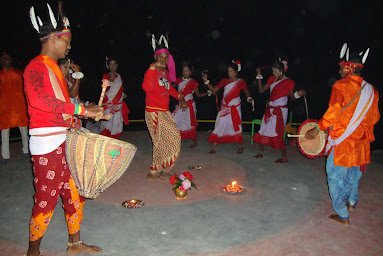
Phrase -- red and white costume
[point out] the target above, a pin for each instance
(228, 125)
(275, 117)
(186, 119)
(114, 104)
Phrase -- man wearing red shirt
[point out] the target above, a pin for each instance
(162, 128)
(51, 113)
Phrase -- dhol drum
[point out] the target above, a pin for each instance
(311, 148)
(96, 161)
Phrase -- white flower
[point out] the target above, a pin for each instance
(182, 177)
(186, 184)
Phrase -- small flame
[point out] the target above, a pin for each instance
(233, 183)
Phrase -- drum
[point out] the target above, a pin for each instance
(96, 161)
(312, 148)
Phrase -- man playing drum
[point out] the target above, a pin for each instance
(351, 116)
(51, 112)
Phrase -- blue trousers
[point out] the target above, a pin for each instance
(343, 183)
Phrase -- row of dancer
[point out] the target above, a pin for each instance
(166, 129)
(228, 128)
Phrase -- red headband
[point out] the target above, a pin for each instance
(350, 64)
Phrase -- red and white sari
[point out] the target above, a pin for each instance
(228, 125)
(114, 104)
(275, 118)
(186, 119)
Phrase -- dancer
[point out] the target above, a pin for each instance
(228, 125)
(114, 102)
(350, 118)
(162, 128)
(13, 109)
(186, 117)
(50, 112)
(275, 118)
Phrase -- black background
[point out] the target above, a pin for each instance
(309, 33)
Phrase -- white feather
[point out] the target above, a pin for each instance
(365, 55)
(52, 16)
(33, 19)
(361, 53)
(343, 51)
(40, 22)
(106, 62)
(153, 42)
(347, 53)
(162, 37)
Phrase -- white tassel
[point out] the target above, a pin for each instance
(33, 19)
(343, 51)
(365, 55)
(52, 16)
(40, 22)
(348, 54)
(153, 42)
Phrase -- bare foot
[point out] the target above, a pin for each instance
(195, 144)
(281, 161)
(165, 175)
(33, 254)
(212, 151)
(240, 149)
(259, 155)
(83, 248)
(337, 218)
(152, 176)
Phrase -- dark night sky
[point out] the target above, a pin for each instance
(309, 33)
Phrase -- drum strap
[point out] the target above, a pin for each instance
(354, 98)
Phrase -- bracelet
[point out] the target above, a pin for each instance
(77, 109)
(69, 244)
(207, 82)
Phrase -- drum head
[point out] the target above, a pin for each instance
(315, 147)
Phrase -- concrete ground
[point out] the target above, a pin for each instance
(282, 212)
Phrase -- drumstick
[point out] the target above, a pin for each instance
(295, 135)
(105, 84)
(307, 109)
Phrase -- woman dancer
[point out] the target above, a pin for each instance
(228, 125)
(275, 117)
(114, 102)
(185, 117)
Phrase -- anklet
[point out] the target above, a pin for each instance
(69, 244)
